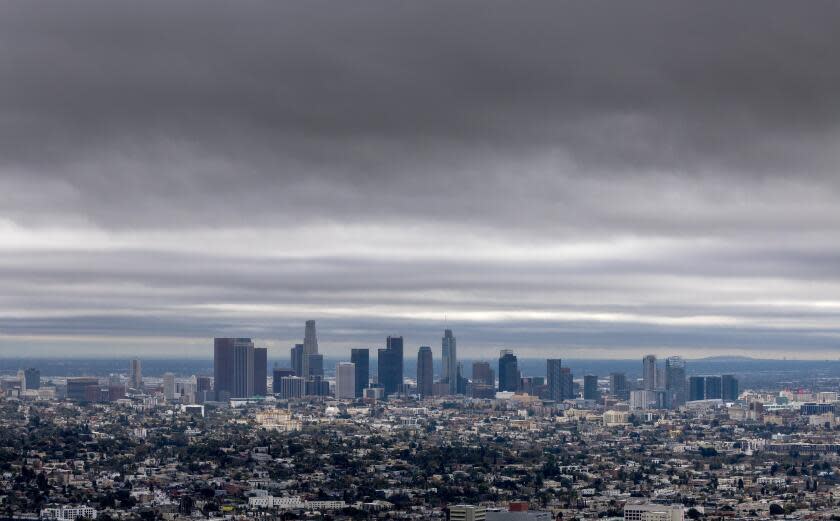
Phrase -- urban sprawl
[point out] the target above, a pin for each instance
(299, 443)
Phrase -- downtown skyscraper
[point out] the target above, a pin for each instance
(233, 367)
(135, 377)
(361, 358)
(425, 371)
(675, 382)
(729, 388)
(260, 371)
(508, 371)
(450, 360)
(390, 365)
(554, 379)
(649, 372)
(310, 347)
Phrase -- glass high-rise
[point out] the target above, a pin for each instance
(260, 371)
(590, 387)
(729, 388)
(32, 378)
(649, 372)
(713, 388)
(361, 359)
(508, 371)
(425, 371)
(310, 347)
(696, 388)
(618, 386)
(135, 377)
(554, 379)
(390, 365)
(450, 360)
(675, 381)
(233, 367)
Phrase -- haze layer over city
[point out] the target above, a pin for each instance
(466, 261)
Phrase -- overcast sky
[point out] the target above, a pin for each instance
(575, 179)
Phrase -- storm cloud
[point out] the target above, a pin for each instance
(576, 178)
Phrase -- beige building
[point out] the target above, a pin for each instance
(467, 513)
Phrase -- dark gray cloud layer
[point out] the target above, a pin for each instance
(635, 163)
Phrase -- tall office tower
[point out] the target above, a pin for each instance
(508, 371)
(361, 357)
(618, 385)
(713, 388)
(310, 346)
(444, 367)
(297, 360)
(729, 388)
(169, 386)
(345, 380)
(315, 365)
(261, 371)
(590, 387)
(567, 383)
(425, 371)
(675, 381)
(660, 378)
(462, 382)
(277, 375)
(135, 377)
(696, 388)
(649, 372)
(32, 377)
(483, 374)
(450, 360)
(553, 372)
(233, 368)
(390, 365)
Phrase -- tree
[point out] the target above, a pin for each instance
(776, 510)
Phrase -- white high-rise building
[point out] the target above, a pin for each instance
(169, 386)
(345, 380)
(450, 360)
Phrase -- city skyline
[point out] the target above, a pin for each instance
(555, 260)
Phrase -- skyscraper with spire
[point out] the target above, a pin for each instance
(450, 360)
(310, 347)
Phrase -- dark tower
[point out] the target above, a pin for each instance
(390, 365)
(425, 371)
(260, 371)
(554, 377)
(233, 367)
(361, 357)
(508, 371)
